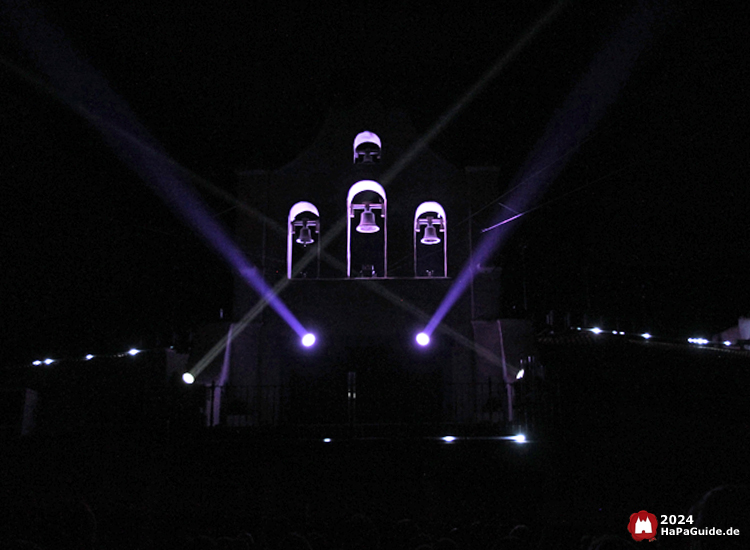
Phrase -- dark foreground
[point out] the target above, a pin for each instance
(162, 490)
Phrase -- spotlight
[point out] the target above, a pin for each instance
(423, 338)
(327, 440)
(646, 335)
(89, 357)
(308, 339)
(188, 378)
(727, 343)
(134, 352)
(49, 361)
(448, 439)
(520, 374)
(37, 363)
(305, 237)
(520, 438)
(596, 330)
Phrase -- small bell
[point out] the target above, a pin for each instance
(430, 235)
(305, 237)
(367, 222)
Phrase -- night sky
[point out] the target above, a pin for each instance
(645, 223)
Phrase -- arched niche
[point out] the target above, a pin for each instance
(369, 199)
(303, 223)
(430, 232)
(367, 148)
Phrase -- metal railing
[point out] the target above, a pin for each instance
(484, 403)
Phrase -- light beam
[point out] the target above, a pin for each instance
(582, 109)
(82, 89)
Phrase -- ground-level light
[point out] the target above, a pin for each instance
(308, 339)
(423, 339)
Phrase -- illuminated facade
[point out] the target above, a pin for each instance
(359, 247)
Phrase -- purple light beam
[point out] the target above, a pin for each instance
(80, 87)
(582, 109)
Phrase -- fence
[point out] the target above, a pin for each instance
(344, 403)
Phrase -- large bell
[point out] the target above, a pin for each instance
(367, 222)
(430, 235)
(305, 237)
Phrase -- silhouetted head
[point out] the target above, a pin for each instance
(721, 508)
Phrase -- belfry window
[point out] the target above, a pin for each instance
(303, 239)
(367, 148)
(367, 245)
(430, 240)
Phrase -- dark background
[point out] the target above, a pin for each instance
(649, 231)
